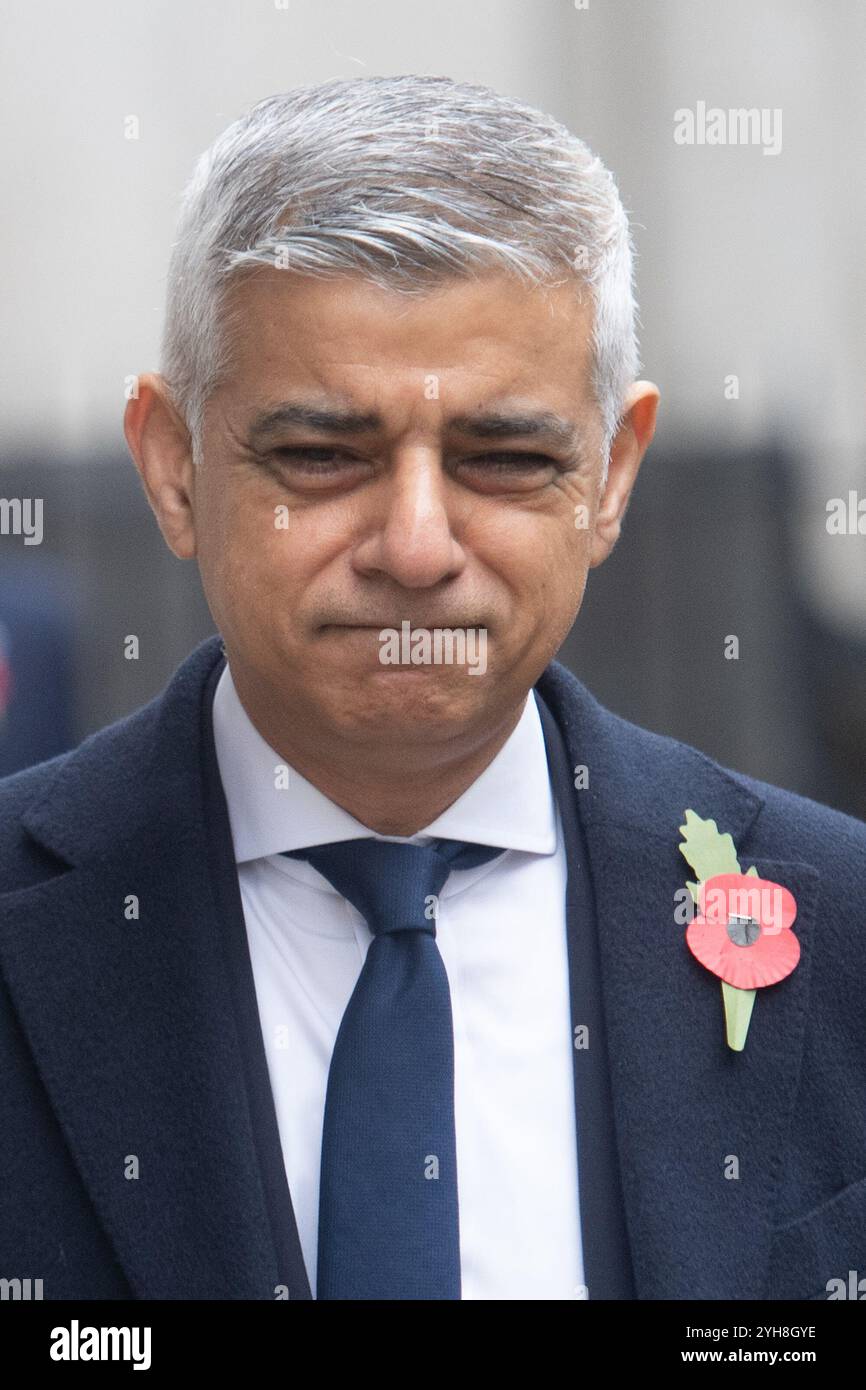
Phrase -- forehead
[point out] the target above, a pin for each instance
(491, 334)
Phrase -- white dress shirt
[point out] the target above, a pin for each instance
(500, 928)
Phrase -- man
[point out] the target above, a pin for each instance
(352, 966)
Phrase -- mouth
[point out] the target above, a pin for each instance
(396, 627)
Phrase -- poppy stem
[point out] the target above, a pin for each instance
(738, 1014)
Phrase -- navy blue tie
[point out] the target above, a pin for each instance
(388, 1215)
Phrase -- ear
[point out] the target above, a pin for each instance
(627, 449)
(161, 448)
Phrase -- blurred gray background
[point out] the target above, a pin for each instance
(749, 265)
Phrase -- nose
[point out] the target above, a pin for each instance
(412, 542)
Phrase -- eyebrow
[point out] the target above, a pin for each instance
(488, 424)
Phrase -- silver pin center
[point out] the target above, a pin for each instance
(743, 931)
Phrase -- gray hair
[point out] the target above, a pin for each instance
(406, 181)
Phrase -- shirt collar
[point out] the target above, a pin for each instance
(510, 804)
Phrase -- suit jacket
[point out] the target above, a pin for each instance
(139, 1150)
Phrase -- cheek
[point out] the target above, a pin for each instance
(241, 547)
(570, 546)
(277, 559)
(542, 556)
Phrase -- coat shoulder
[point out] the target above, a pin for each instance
(103, 787)
(112, 756)
(646, 776)
(791, 826)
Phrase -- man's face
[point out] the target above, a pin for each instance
(408, 499)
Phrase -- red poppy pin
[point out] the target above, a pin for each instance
(742, 930)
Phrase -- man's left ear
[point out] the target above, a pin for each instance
(627, 449)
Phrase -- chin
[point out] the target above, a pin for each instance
(409, 704)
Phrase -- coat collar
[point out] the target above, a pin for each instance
(128, 1018)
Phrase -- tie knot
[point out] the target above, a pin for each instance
(393, 886)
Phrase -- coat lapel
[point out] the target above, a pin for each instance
(131, 1020)
(700, 1130)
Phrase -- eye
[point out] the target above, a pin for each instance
(315, 460)
(506, 470)
(507, 461)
